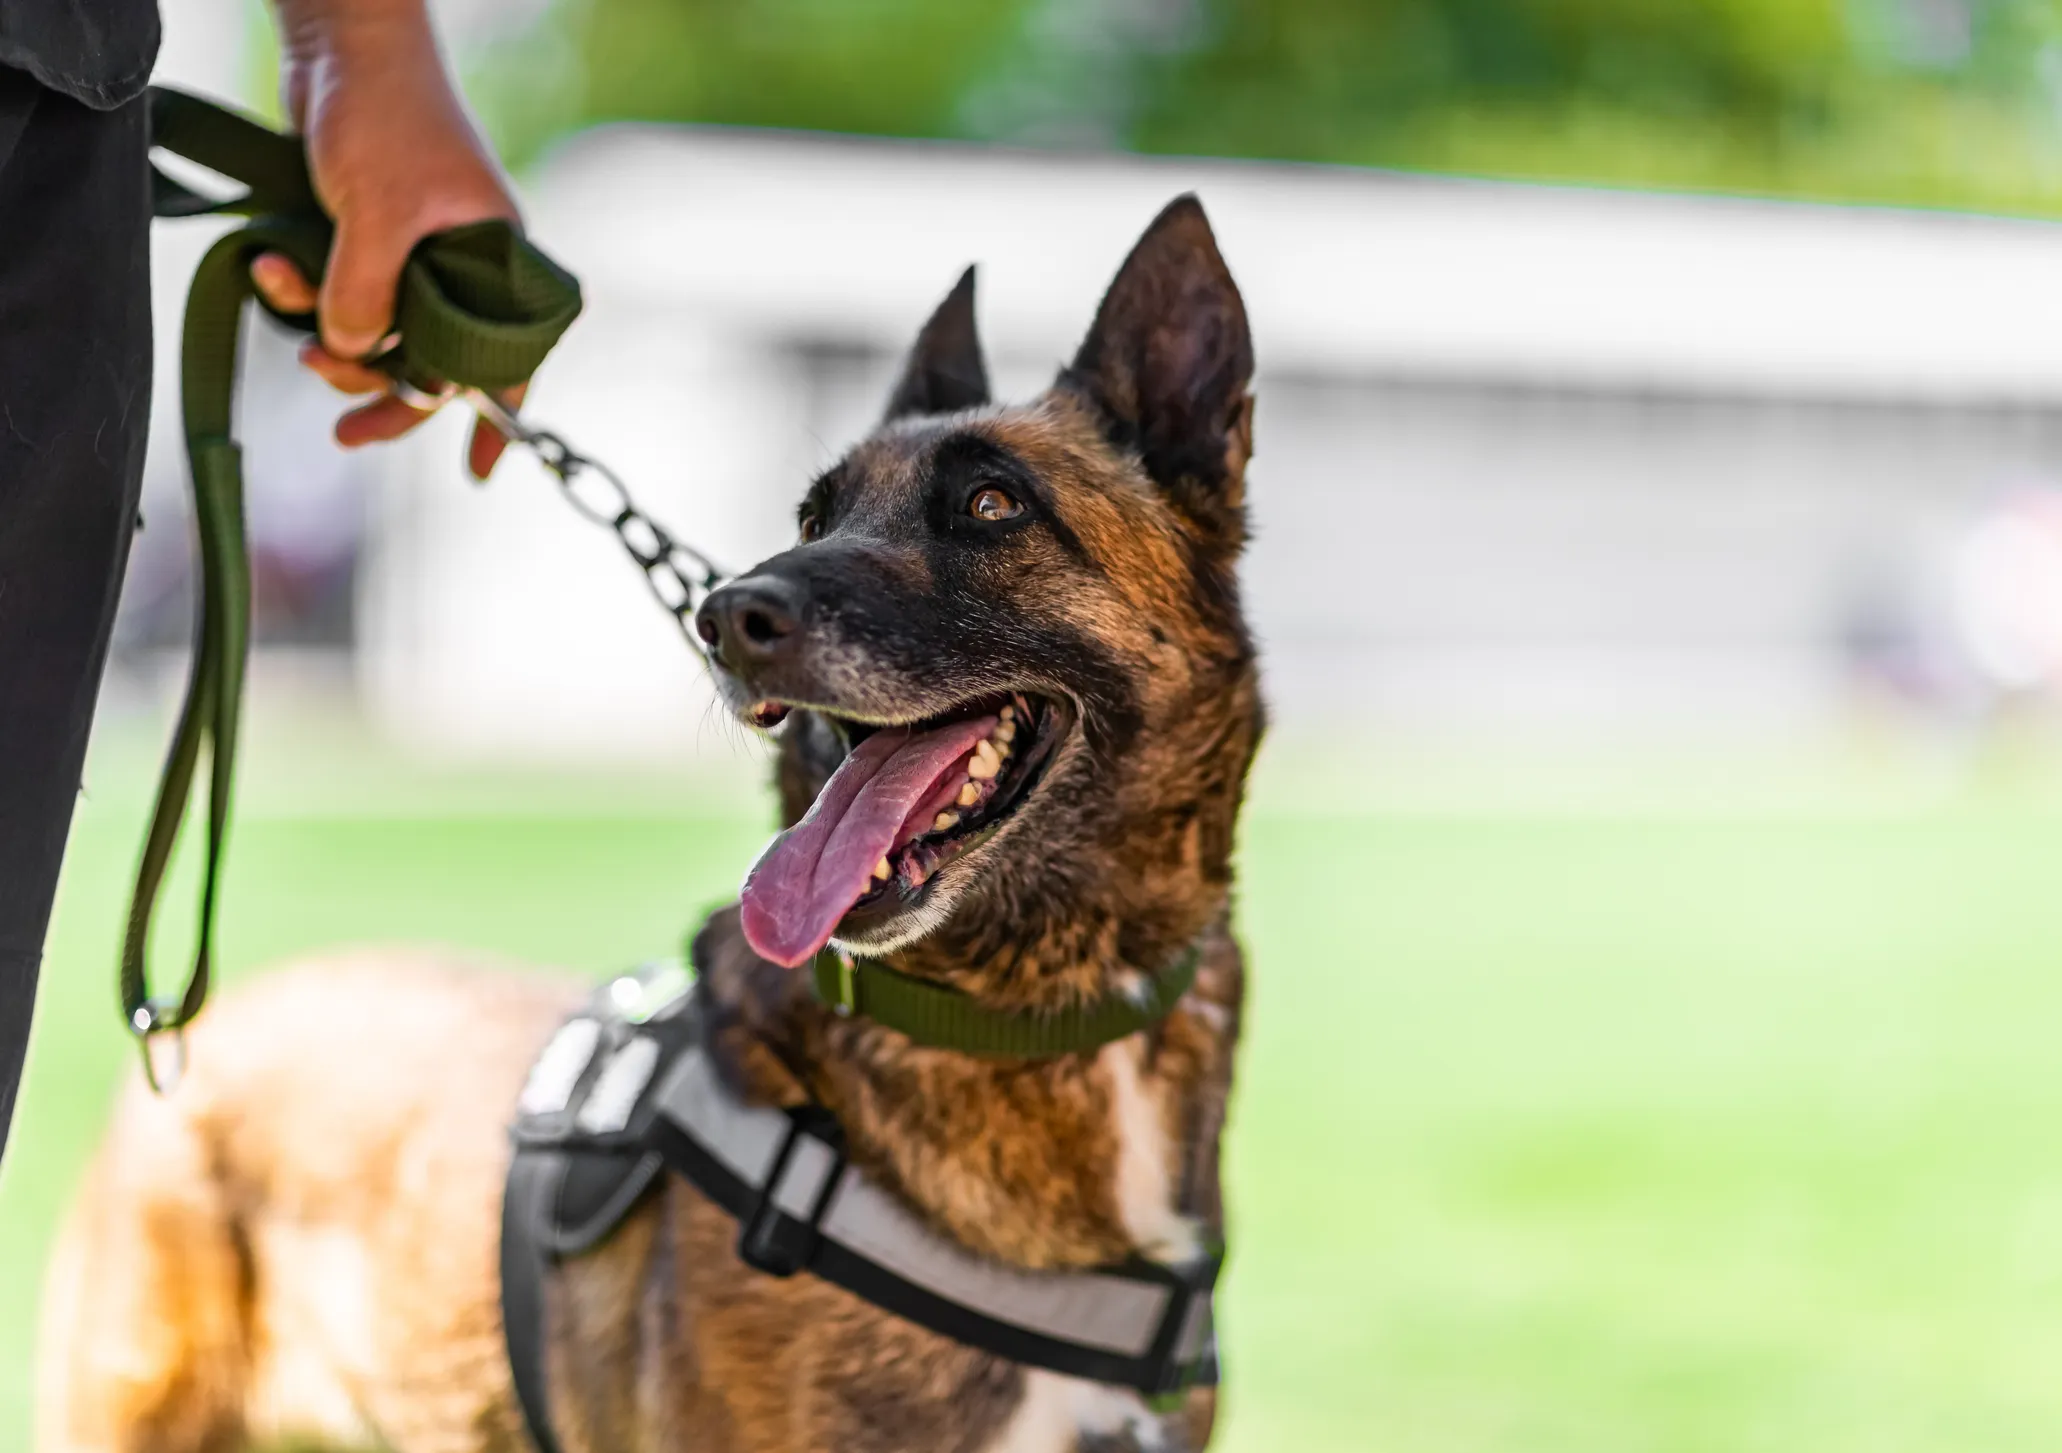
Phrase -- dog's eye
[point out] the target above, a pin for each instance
(992, 504)
(812, 526)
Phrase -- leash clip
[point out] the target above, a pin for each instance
(154, 1021)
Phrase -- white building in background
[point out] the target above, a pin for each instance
(1528, 459)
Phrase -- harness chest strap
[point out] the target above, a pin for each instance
(800, 1205)
(649, 1100)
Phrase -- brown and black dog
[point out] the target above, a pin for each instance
(299, 1247)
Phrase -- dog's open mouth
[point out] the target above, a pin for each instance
(905, 801)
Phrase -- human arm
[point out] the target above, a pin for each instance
(394, 158)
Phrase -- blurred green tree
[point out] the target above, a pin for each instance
(1939, 102)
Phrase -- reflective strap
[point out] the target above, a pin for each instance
(1113, 1314)
(744, 1137)
(612, 1098)
(555, 1075)
(1104, 1312)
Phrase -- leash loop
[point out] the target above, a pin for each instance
(154, 1023)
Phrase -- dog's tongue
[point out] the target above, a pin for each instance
(811, 874)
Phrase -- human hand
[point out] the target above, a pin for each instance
(394, 158)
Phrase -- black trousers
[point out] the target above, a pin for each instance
(74, 412)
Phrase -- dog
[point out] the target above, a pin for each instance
(298, 1248)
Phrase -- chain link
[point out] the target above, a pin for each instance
(679, 576)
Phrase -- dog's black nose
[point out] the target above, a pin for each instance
(751, 622)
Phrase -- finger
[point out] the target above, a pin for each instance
(342, 374)
(281, 284)
(485, 449)
(357, 305)
(488, 442)
(377, 422)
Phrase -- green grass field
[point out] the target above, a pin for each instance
(1711, 1128)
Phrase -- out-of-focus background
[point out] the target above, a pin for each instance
(1651, 878)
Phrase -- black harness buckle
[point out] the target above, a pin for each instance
(777, 1235)
(1190, 1286)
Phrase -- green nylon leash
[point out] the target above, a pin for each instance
(941, 1017)
(477, 307)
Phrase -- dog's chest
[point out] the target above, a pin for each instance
(1144, 1174)
(1061, 1414)
(1064, 1414)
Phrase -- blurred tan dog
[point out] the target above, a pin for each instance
(299, 1248)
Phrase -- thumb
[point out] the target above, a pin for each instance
(357, 304)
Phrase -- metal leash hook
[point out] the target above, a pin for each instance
(152, 1024)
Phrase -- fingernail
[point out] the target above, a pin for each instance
(349, 341)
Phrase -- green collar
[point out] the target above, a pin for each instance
(944, 1018)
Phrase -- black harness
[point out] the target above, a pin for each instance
(627, 1091)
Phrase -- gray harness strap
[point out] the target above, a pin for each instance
(615, 1101)
(1123, 1312)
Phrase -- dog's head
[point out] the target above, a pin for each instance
(1018, 691)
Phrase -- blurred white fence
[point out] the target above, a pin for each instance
(1529, 458)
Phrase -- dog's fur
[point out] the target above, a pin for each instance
(299, 1247)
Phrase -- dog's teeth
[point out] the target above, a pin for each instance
(1009, 714)
(1007, 732)
(883, 870)
(984, 764)
(945, 822)
(969, 794)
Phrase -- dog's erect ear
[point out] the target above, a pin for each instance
(1167, 362)
(944, 373)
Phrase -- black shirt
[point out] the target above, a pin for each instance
(98, 52)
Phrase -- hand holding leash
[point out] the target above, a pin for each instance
(397, 407)
(393, 158)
